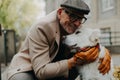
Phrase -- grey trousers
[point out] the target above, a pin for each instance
(24, 76)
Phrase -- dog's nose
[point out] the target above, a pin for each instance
(64, 37)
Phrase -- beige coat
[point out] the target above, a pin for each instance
(39, 49)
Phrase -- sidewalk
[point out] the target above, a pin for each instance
(3, 71)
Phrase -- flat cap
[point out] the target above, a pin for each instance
(78, 6)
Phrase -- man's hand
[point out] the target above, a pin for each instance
(104, 67)
(87, 56)
(82, 58)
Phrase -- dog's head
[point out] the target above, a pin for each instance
(83, 37)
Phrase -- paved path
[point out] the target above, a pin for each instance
(3, 70)
(116, 59)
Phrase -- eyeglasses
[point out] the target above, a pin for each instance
(74, 17)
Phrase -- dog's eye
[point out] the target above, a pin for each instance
(77, 32)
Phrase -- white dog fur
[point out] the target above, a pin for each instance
(84, 37)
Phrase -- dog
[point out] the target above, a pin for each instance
(87, 37)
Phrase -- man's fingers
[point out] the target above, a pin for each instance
(80, 55)
(106, 59)
(105, 63)
(94, 55)
(107, 54)
(88, 56)
(80, 61)
(105, 69)
(90, 51)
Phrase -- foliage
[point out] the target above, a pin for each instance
(117, 72)
(19, 14)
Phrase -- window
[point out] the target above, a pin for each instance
(107, 5)
(105, 36)
(107, 8)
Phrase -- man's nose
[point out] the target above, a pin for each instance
(77, 23)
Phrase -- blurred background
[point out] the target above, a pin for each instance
(17, 16)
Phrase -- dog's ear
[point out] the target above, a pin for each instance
(97, 32)
(95, 36)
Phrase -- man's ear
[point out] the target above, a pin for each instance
(59, 11)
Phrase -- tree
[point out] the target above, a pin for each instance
(19, 14)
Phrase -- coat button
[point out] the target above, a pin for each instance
(18, 69)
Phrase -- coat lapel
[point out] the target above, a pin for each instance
(57, 34)
(56, 30)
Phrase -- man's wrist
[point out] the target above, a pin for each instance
(71, 62)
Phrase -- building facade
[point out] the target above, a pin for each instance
(104, 14)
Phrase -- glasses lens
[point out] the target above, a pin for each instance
(83, 20)
(74, 17)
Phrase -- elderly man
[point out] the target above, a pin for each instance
(41, 56)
